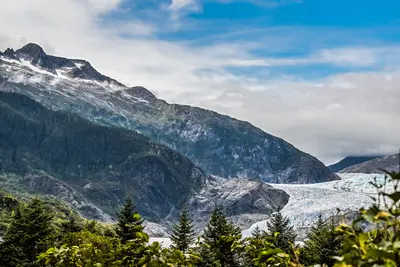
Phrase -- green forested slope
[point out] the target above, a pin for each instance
(102, 164)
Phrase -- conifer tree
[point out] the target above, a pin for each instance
(183, 233)
(322, 244)
(257, 233)
(70, 226)
(129, 221)
(280, 232)
(219, 236)
(30, 233)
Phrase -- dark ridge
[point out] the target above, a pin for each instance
(32, 50)
(10, 53)
(350, 161)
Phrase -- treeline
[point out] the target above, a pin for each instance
(35, 238)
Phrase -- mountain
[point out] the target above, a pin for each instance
(245, 202)
(93, 168)
(350, 161)
(101, 163)
(220, 145)
(387, 163)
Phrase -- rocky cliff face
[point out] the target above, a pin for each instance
(220, 145)
(101, 164)
(244, 202)
(93, 167)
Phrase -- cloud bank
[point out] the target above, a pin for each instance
(328, 100)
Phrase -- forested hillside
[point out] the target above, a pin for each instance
(101, 164)
(35, 236)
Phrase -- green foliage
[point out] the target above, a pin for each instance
(71, 225)
(183, 234)
(29, 241)
(82, 249)
(129, 221)
(380, 246)
(322, 244)
(280, 232)
(30, 232)
(218, 238)
(260, 250)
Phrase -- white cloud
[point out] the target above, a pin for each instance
(183, 4)
(329, 118)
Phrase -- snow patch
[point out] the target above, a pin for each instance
(79, 65)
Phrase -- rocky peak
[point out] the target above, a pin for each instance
(74, 68)
(32, 50)
(10, 53)
(141, 92)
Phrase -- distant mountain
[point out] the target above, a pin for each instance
(387, 163)
(93, 168)
(220, 145)
(350, 161)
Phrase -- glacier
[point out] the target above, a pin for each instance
(308, 201)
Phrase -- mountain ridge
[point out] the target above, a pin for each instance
(350, 161)
(377, 165)
(93, 168)
(220, 145)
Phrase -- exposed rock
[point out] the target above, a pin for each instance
(244, 202)
(41, 182)
(155, 230)
(72, 153)
(218, 144)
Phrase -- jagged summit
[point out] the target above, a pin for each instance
(220, 145)
(33, 50)
(10, 53)
(35, 55)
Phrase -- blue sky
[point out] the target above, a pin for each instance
(291, 29)
(322, 74)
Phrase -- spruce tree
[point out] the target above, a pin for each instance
(280, 232)
(183, 233)
(30, 233)
(219, 236)
(257, 233)
(129, 221)
(322, 244)
(70, 226)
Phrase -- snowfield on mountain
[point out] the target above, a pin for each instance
(220, 145)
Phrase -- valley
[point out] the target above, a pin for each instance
(73, 136)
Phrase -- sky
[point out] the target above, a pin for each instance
(323, 75)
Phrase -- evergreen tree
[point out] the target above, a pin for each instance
(322, 244)
(257, 233)
(129, 221)
(70, 226)
(183, 233)
(218, 236)
(280, 232)
(30, 233)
